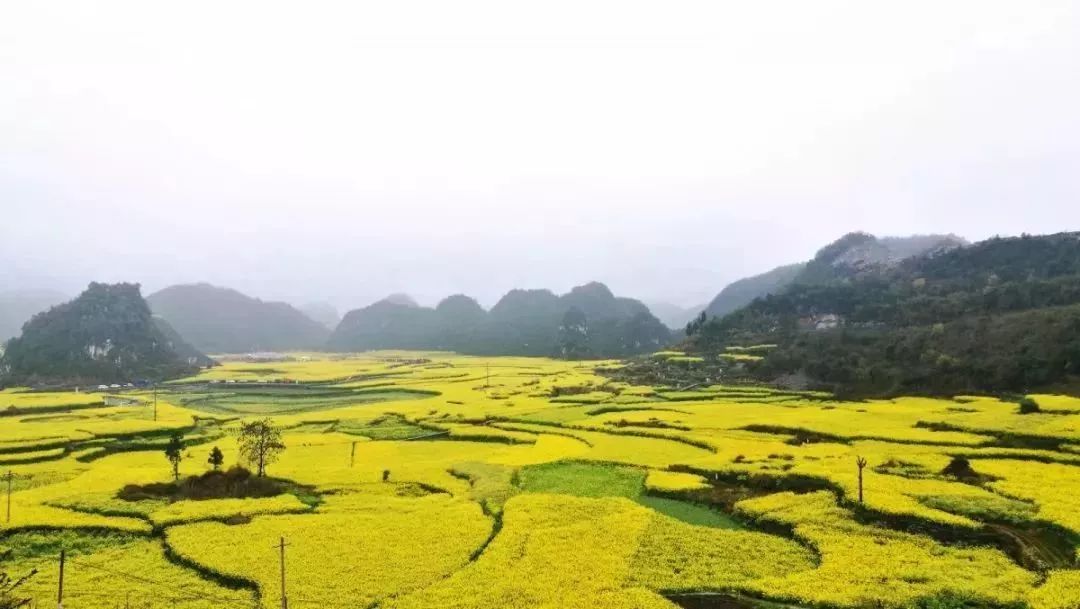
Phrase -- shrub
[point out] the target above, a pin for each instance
(1029, 406)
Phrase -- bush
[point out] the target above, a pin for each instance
(960, 467)
(235, 482)
(1029, 406)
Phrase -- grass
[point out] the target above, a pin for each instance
(604, 480)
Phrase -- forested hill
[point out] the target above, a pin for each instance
(589, 321)
(1001, 315)
(221, 320)
(106, 335)
(852, 254)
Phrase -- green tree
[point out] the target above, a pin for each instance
(260, 444)
(9, 594)
(174, 452)
(696, 324)
(216, 458)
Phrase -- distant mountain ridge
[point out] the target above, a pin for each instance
(851, 254)
(18, 306)
(674, 316)
(522, 322)
(222, 320)
(1001, 315)
(106, 335)
(322, 312)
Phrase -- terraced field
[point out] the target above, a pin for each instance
(434, 480)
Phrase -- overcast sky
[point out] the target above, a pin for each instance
(342, 151)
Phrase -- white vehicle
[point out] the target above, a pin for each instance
(114, 386)
(102, 386)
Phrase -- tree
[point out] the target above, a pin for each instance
(260, 444)
(174, 452)
(216, 458)
(697, 323)
(9, 597)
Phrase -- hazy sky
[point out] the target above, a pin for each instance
(342, 151)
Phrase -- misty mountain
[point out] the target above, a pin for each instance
(742, 292)
(322, 312)
(106, 335)
(851, 254)
(222, 320)
(18, 306)
(522, 322)
(674, 316)
(1001, 315)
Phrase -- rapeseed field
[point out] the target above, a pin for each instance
(428, 479)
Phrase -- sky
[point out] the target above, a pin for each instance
(342, 151)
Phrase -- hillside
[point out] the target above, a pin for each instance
(851, 254)
(1002, 315)
(107, 334)
(221, 320)
(18, 306)
(589, 321)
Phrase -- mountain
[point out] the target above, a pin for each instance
(106, 335)
(387, 324)
(322, 312)
(522, 322)
(1001, 315)
(674, 316)
(742, 292)
(17, 307)
(851, 254)
(221, 320)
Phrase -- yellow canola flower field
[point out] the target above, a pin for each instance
(360, 549)
(575, 552)
(406, 483)
(859, 563)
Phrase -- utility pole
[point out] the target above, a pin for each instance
(284, 599)
(352, 455)
(9, 476)
(861, 463)
(487, 379)
(155, 402)
(60, 590)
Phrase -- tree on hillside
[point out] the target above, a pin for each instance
(174, 453)
(216, 458)
(696, 324)
(9, 595)
(260, 444)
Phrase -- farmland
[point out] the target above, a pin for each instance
(420, 480)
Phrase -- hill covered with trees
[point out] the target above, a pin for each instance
(106, 335)
(849, 255)
(222, 320)
(588, 321)
(1001, 315)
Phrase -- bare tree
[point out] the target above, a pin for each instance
(260, 444)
